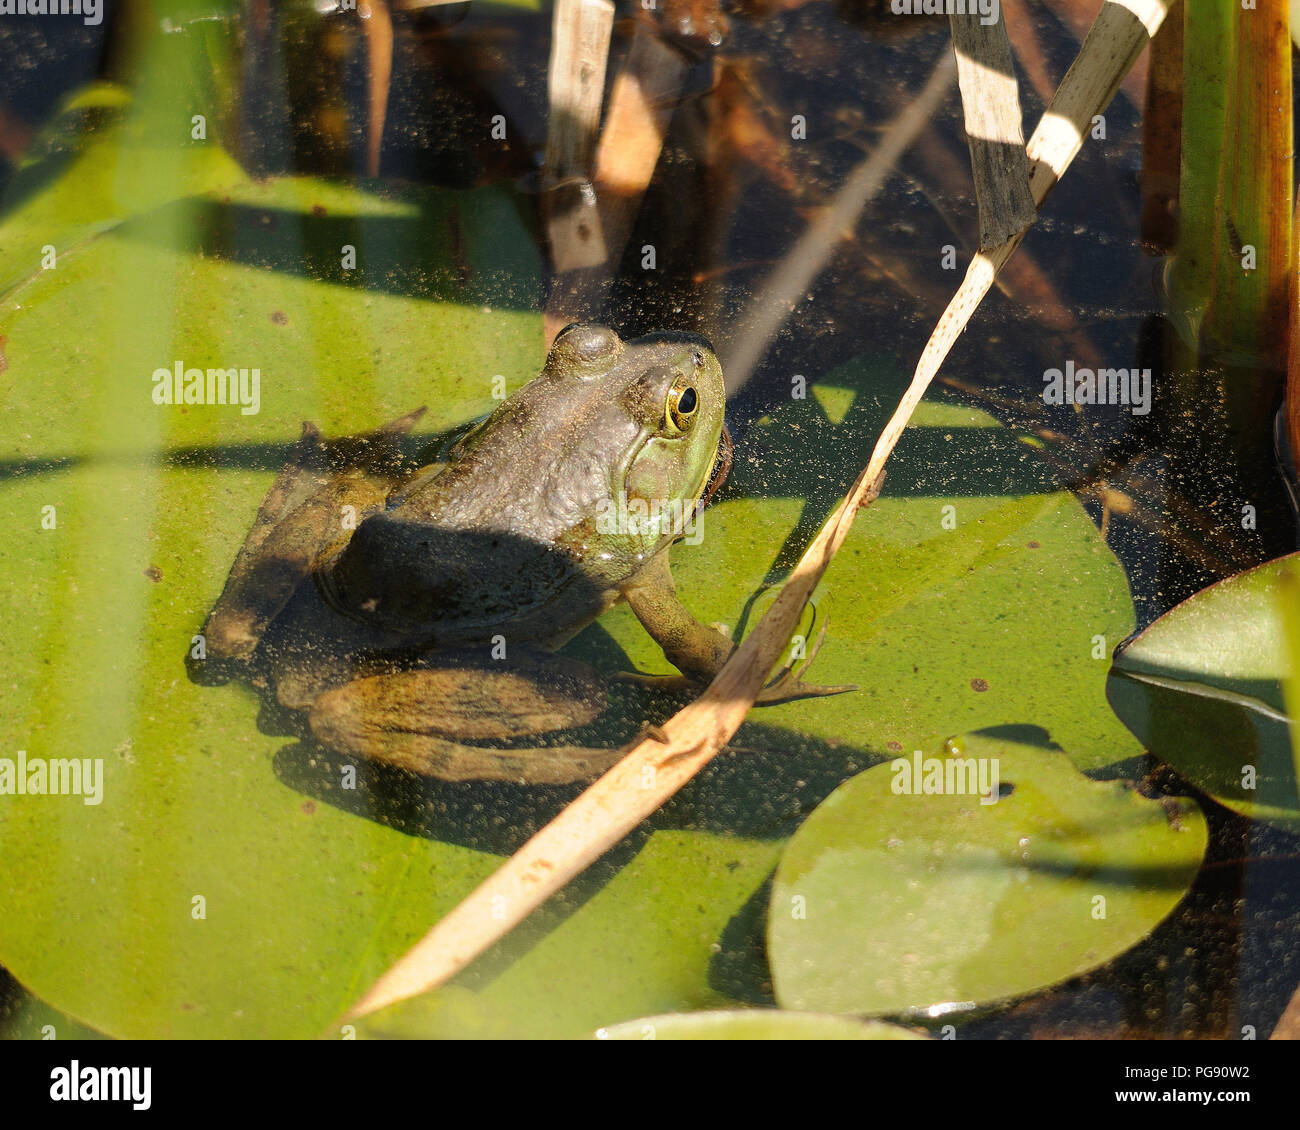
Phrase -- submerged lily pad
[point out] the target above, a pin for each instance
(23, 1017)
(755, 1024)
(893, 897)
(1203, 689)
(111, 153)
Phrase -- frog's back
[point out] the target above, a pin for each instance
(502, 538)
(444, 585)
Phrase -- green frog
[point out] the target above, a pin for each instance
(412, 610)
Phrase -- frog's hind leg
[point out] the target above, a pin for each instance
(432, 756)
(320, 495)
(421, 719)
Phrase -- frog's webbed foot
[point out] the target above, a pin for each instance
(788, 685)
(666, 684)
(698, 651)
(423, 718)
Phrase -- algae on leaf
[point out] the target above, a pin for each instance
(210, 897)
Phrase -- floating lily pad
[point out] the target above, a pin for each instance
(189, 887)
(647, 937)
(889, 900)
(1203, 689)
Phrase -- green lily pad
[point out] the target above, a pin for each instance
(888, 900)
(306, 902)
(755, 1024)
(646, 939)
(1202, 688)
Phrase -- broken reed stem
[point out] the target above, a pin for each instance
(657, 766)
(642, 98)
(580, 33)
(991, 105)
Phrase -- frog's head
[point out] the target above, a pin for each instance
(658, 400)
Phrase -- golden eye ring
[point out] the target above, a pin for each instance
(682, 407)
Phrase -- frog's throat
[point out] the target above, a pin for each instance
(722, 459)
(722, 453)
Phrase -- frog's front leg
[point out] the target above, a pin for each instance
(298, 524)
(421, 718)
(697, 651)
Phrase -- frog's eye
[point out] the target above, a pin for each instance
(683, 403)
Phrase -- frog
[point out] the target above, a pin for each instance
(412, 608)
